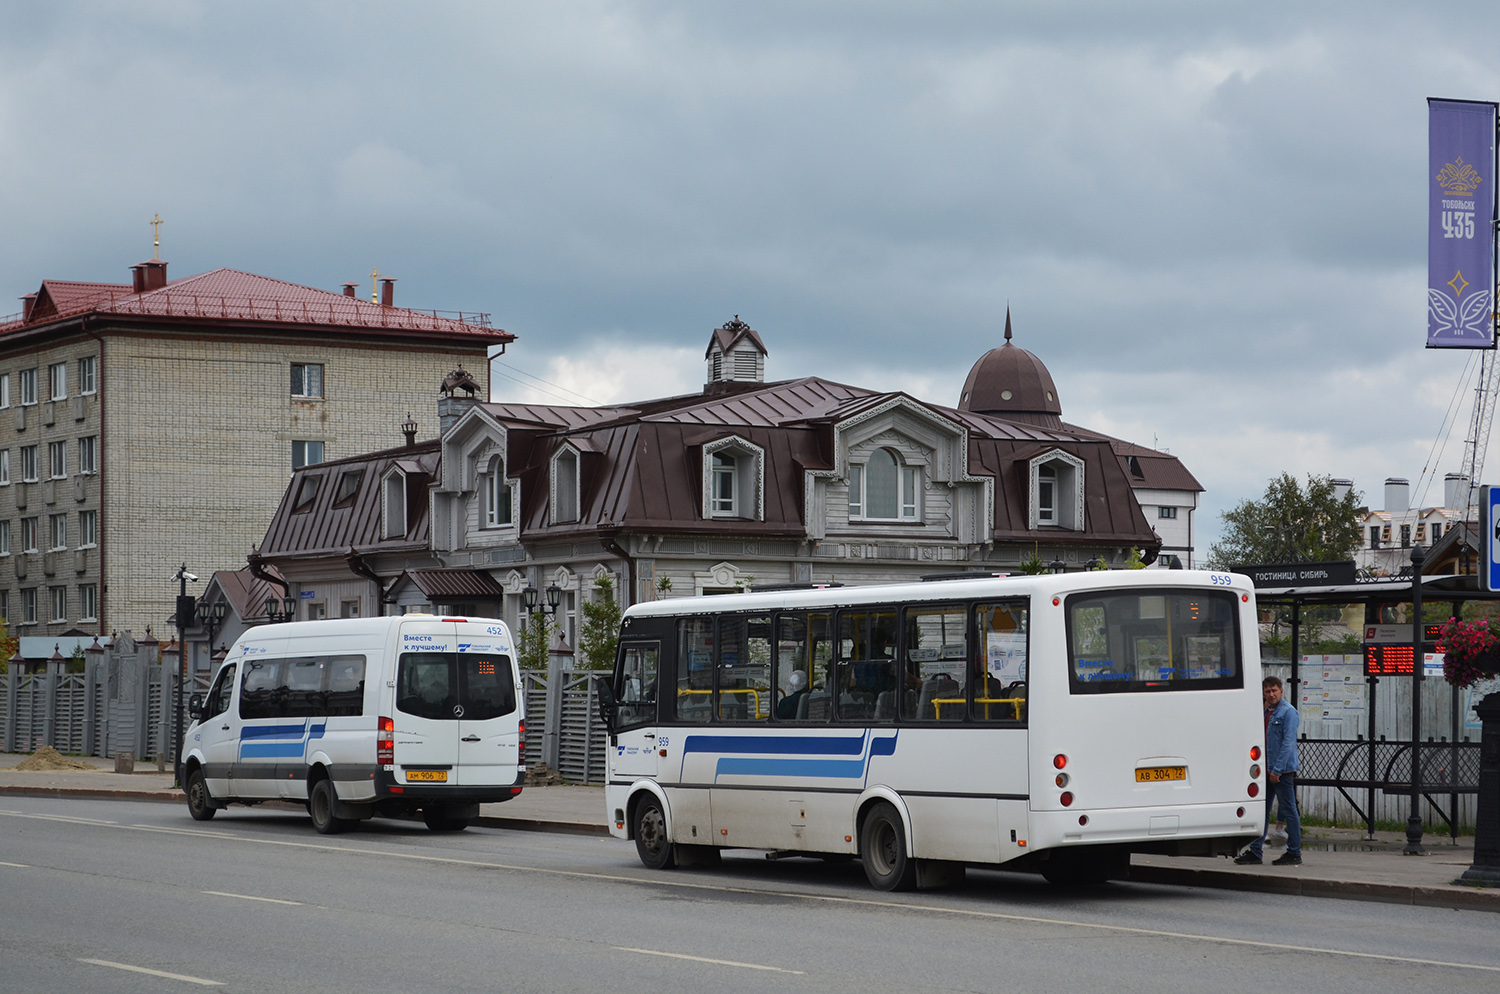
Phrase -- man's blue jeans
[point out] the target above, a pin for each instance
(1284, 793)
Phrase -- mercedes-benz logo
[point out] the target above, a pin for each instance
(458, 710)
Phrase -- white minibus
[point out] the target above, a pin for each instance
(362, 717)
(1055, 723)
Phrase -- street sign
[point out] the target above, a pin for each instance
(1489, 499)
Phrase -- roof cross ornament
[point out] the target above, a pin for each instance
(155, 237)
(375, 285)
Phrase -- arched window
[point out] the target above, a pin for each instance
(497, 495)
(883, 488)
(565, 486)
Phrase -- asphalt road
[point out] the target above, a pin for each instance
(122, 896)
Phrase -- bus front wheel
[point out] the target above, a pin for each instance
(882, 849)
(651, 842)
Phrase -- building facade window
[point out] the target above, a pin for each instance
(1437, 532)
(5, 606)
(723, 489)
(4, 390)
(4, 467)
(733, 479)
(57, 460)
(88, 602)
(306, 453)
(4, 538)
(28, 606)
(1406, 536)
(88, 454)
(28, 463)
(497, 496)
(393, 506)
(307, 380)
(88, 375)
(1166, 512)
(58, 526)
(884, 489)
(28, 387)
(1374, 536)
(29, 535)
(57, 380)
(88, 529)
(57, 598)
(349, 608)
(316, 610)
(348, 487)
(1057, 493)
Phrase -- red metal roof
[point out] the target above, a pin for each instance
(233, 295)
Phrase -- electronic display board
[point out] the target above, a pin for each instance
(1391, 659)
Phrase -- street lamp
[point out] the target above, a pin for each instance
(1058, 566)
(211, 618)
(183, 618)
(279, 610)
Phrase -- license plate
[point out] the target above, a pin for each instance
(1151, 774)
(426, 776)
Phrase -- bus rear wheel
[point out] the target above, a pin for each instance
(320, 806)
(882, 849)
(651, 842)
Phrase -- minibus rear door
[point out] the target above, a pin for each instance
(428, 706)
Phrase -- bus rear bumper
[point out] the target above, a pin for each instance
(1175, 830)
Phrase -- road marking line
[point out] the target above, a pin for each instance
(62, 818)
(252, 897)
(705, 959)
(155, 973)
(825, 898)
(23, 866)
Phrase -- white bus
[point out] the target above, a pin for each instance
(1055, 723)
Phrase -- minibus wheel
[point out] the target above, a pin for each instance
(882, 849)
(320, 806)
(651, 842)
(199, 801)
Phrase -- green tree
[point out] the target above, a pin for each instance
(8, 646)
(534, 639)
(601, 627)
(1290, 525)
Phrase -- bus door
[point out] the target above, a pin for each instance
(635, 750)
(427, 703)
(489, 730)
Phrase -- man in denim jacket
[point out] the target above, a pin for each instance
(1281, 775)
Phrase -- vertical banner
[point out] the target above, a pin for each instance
(1460, 224)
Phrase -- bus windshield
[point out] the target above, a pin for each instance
(1152, 640)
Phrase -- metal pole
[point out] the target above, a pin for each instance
(1414, 817)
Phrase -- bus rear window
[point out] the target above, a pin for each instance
(1142, 641)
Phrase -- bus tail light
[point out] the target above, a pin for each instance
(385, 742)
(1083, 819)
(1062, 780)
(1255, 770)
(1255, 752)
(521, 745)
(1066, 798)
(1239, 812)
(1253, 790)
(1060, 761)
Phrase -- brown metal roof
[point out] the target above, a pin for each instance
(446, 584)
(246, 592)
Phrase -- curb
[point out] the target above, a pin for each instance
(1457, 898)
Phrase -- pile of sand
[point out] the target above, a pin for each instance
(48, 758)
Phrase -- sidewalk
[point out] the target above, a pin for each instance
(1336, 862)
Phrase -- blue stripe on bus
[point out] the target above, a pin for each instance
(273, 750)
(294, 740)
(272, 731)
(800, 745)
(845, 769)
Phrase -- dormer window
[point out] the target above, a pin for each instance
(565, 499)
(884, 489)
(733, 479)
(393, 506)
(497, 496)
(307, 493)
(1057, 491)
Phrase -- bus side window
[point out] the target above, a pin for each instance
(1000, 669)
(935, 652)
(695, 669)
(867, 661)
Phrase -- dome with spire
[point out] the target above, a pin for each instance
(1013, 384)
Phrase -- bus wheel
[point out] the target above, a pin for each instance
(320, 806)
(651, 842)
(882, 848)
(200, 803)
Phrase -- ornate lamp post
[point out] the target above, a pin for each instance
(280, 609)
(211, 619)
(184, 617)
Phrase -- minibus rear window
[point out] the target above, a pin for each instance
(447, 686)
(1141, 641)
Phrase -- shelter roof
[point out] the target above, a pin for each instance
(451, 583)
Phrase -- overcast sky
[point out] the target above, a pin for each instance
(1208, 220)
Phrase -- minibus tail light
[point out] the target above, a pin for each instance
(385, 742)
(521, 745)
(1066, 798)
(1255, 752)
(1060, 761)
(1253, 790)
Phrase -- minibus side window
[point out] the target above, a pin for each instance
(261, 689)
(218, 698)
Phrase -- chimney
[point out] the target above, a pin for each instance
(1456, 491)
(1396, 494)
(409, 429)
(1341, 488)
(148, 276)
(27, 303)
(387, 291)
(349, 289)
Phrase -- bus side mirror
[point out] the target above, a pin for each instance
(609, 706)
(195, 707)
